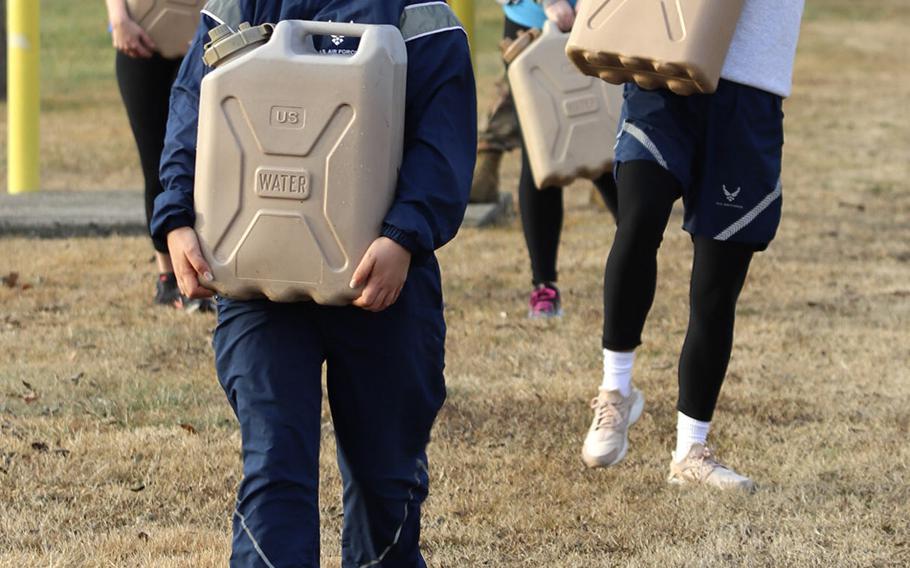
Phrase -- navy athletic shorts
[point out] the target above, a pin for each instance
(724, 148)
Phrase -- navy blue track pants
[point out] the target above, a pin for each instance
(385, 387)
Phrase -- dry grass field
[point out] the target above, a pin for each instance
(117, 447)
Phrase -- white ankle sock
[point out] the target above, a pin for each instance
(618, 371)
(689, 432)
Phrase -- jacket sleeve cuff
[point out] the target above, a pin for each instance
(403, 238)
(170, 223)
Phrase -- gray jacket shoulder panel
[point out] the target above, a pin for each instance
(224, 12)
(426, 18)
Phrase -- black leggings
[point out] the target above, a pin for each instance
(541, 218)
(145, 86)
(646, 194)
(542, 209)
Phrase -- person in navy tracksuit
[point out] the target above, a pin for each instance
(384, 354)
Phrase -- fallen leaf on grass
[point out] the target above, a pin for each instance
(11, 279)
(189, 428)
(137, 488)
(31, 396)
(40, 446)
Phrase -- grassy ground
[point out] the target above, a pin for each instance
(117, 448)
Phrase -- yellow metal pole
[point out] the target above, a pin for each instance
(23, 100)
(464, 9)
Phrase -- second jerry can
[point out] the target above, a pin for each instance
(568, 119)
(298, 157)
(677, 44)
(170, 23)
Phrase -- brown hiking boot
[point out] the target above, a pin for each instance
(485, 187)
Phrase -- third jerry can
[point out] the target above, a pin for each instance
(677, 44)
(297, 157)
(568, 120)
(170, 23)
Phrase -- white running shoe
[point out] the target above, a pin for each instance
(700, 467)
(608, 438)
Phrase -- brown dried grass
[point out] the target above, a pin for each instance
(98, 471)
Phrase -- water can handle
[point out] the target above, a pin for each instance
(311, 28)
(297, 35)
(304, 29)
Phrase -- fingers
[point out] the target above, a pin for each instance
(381, 274)
(363, 271)
(140, 49)
(381, 301)
(198, 272)
(188, 282)
(368, 297)
(373, 297)
(199, 264)
(186, 275)
(377, 298)
(561, 14)
(147, 40)
(189, 264)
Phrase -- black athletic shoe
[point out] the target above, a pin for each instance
(201, 305)
(166, 291)
(168, 294)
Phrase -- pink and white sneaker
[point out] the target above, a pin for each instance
(545, 302)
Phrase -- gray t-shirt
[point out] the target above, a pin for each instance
(764, 45)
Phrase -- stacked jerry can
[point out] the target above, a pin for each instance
(568, 120)
(298, 157)
(676, 44)
(170, 23)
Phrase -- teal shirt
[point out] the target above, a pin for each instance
(527, 13)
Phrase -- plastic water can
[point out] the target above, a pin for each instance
(568, 119)
(677, 44)
(170, 23)
(298, 156)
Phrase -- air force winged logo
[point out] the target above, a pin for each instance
(731, 196)
(338, 39)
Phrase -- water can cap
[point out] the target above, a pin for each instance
(225, 42)
(519, 44)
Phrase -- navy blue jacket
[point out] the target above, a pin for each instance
(440, 134)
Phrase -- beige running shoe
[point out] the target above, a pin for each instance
(700, 467)
(608, 438)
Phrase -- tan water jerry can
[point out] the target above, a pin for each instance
(677, 44)
(170, 23)
(568, 120)
(297, 157)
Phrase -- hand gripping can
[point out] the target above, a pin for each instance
(568, 120)
(680, 45)
(170, 23)
(297, 157)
